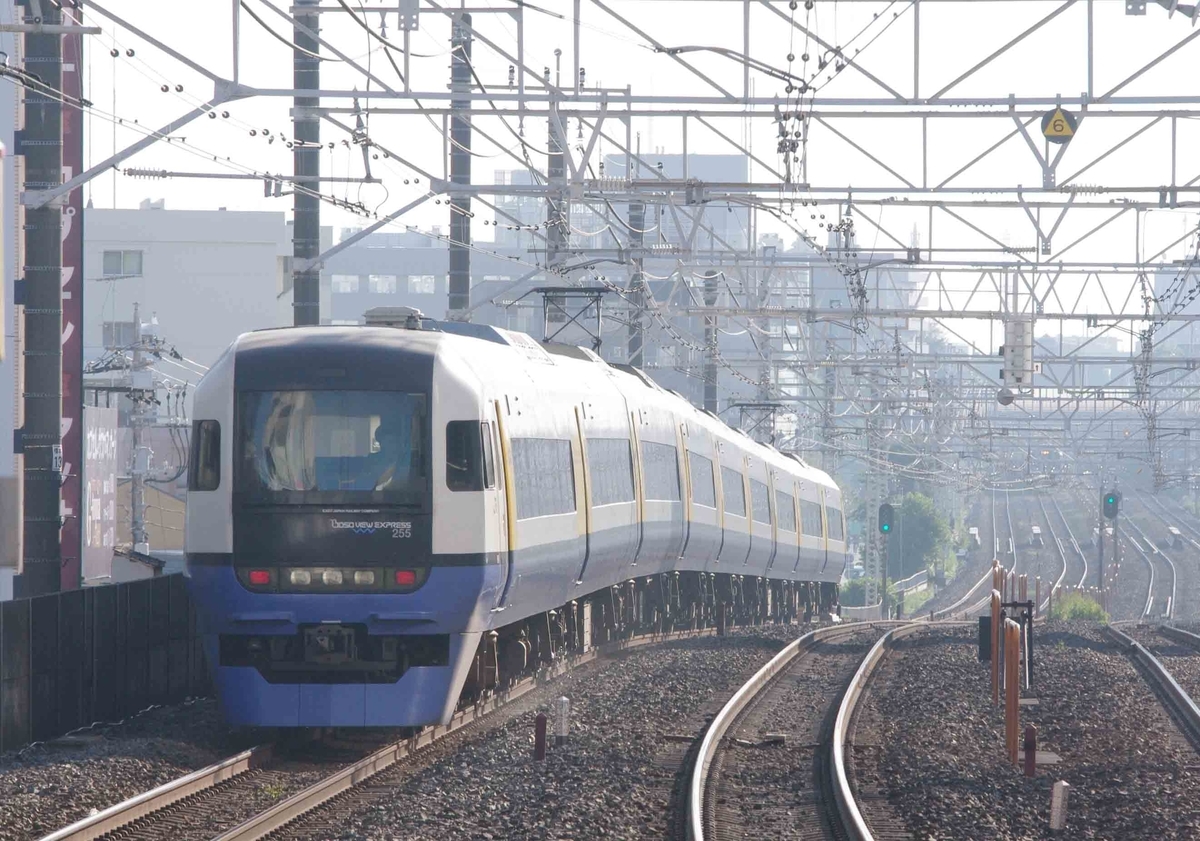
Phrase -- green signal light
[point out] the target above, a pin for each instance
(1111, 500)
(885, 527)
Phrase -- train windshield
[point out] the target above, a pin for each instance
(333, 446)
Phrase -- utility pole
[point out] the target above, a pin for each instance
(557, 211)
(460, 167)
(306, 163)
(1100, 542)
(40, 290)
(637, 288)
(141, 394)
(710, 342)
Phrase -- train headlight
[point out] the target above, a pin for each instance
(364, 577)
(331, 577)
(300, 576)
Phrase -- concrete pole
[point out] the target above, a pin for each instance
(41, 435)
(141, 390)
(306, 163)
(460, 168)
(637, 291)
(557, 210)
(710, 343)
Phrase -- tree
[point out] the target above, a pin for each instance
(923, 536)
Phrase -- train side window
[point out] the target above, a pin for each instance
(735, 491)
(489, 462)
(543, 476)
(660, 463)
(204, 470)
(834, 518)
(787, 514)
(464, 456)
(810, 519)
(611, 467)
(703, 488)
(760, 502)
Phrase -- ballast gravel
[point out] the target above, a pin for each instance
(51, 785)
(633, 719)
(936, 744)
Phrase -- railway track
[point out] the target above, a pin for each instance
(1009, 544)
(1161, 590)
(970, 601)
(241, 782)
(811, 688)
(1062, 556)
(1076, 550)
(1184, 519)
(1162, 683)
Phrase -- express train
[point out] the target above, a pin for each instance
(383, 518)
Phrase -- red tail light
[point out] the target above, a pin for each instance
(260, 577)
(406, 577)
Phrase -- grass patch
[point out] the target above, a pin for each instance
(1077, 607)
(913, 602)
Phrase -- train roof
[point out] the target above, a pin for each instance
(397, 330)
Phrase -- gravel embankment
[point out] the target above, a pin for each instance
(935, 744)
(49, 786)
(633, 719)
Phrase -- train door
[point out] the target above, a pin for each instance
(824, 528)
(506, 502)
(583, 489)
(685, 485)
(496, 511)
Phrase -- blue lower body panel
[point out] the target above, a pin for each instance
(453, 604)
(423, 695)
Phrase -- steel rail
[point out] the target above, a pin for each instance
(738, 702)
(1012, 544)
(847, 806)
(1170, 611)
(1161, 681)
(751, 689)
(1062, 556)
(283, 813)
(1181, 517)
(1074, 543)
(950, 610)
(122, 814)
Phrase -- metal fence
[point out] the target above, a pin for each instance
(97, 654)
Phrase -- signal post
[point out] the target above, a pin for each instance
(887, 516)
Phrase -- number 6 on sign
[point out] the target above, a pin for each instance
(1058, 126)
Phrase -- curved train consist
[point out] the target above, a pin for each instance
(381, 519)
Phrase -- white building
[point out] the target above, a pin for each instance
(206, 275)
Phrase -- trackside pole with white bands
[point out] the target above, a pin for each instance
(1058, 805)
(562, 721)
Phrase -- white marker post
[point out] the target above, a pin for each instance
(561, 723)
(1058, 806)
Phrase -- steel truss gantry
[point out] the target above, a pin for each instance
(883, 354)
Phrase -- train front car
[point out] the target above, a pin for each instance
(310, 528)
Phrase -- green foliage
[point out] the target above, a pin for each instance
(1077, 607)
(854, 594)
(913, 602)
(924, 536)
